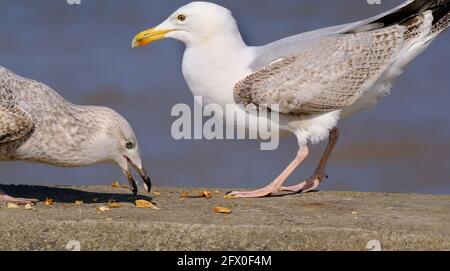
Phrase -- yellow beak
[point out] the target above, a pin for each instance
(148, 36)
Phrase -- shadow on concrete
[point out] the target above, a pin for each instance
(66, 195)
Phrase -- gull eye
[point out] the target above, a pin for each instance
(181, 17)
(130, 145)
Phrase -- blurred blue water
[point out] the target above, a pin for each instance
(84, 53)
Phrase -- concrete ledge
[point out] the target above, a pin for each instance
(315, 221)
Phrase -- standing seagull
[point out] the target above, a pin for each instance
(314, 78)
(38, 125)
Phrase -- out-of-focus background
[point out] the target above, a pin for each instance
(83, 52)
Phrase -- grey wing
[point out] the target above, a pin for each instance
(327, 76)
(15, 122)
(292, 46)
(329, 69)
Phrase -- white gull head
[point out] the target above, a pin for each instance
(192, 24)
(216, 57)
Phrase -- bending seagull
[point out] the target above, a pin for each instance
(38, 125)
(314, 79)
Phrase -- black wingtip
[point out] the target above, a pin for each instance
(413, 9)
(440, 11)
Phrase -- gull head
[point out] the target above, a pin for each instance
(194, 23)
(115, 141)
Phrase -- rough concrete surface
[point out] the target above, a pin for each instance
(314, 221)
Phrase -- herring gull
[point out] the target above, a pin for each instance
(38, 125)
(315, 79)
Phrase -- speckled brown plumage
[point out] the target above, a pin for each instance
(38, 125)
(334, 72)
(14, 121)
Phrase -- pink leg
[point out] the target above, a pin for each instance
(8, 199)
(276, 185)
(319, 175)
(19, 201)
